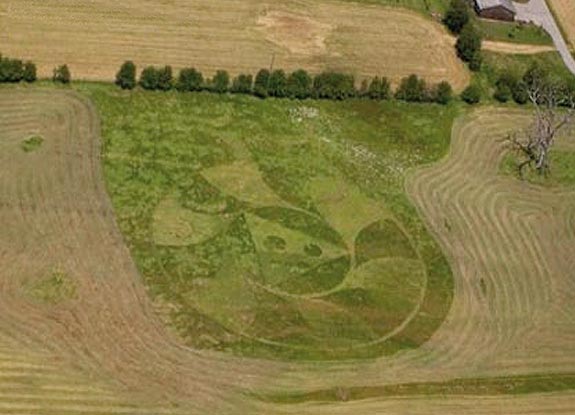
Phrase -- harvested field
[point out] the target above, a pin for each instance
(564, 11)
(515, 48)
(98, 348)
(95, 37)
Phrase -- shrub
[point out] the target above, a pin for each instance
(29, 74)
(502, 93)
(468, 43)
(471, 94)
(261, 83)
(379, 88)
(242, 84)
(412, 89)
(165, 78)
(299, 84)
(277, 85)
(476, 62)
(62, 74)
(220, 82)
(442, 93)
(457, 16)
(126, 76)
(149, 78)
(333, 85)
(11, 70)
(189, 80)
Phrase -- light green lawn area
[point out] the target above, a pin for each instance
(277, 234)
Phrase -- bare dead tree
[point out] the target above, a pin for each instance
(554, 110)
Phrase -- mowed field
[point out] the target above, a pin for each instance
(95, 37)
(565, 12)
(75, 310)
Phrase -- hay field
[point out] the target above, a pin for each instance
(74, 313)
(95, 37)
(564, 10)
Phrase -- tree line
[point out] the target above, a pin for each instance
(279, 84)
(458, 20)
(16, 70)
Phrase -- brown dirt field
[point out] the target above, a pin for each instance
(565, 12)
(95, 37)
(515, 48)
(511, 313)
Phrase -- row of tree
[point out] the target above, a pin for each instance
(15, 70)
(298, 84)
(458, 20)
(510, 86)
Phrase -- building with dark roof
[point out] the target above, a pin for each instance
(496, 9)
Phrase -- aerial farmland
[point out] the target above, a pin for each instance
(289, 207)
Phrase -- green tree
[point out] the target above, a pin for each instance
(333, 85)
(62, 74)
(502, 93)
(220, 82)
(443, 93)
(242, 84)
(471, 94)
(126, 76)
(277, 86)
(29, 74)
(457, 16)
(379, 88)
(149, 78)
(11, 70)
(261, 83)
(476, 62)
(468, 43)
(165, 78)
(299, 84)
(412, 89)
(189, 80)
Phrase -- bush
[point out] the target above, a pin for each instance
(29, 74)
(476, 62)
(242, 84)
(165, 78)
(11, 70)
(261, 83)
(62, 74)
(220, 82)
(457, 16)
(149, 78)
(379, 88)
(442, 93)
(277, 84)
(502, 93)
(189, 80)
(471, 94)
(412, 89)
(299, 85)
(468, 43)
(333, 85)
(126, 76)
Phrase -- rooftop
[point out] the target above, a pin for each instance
(488, 4)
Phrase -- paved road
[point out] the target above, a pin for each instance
(537, 11)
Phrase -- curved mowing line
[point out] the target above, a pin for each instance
(57, 213)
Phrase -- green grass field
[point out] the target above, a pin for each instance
(513, 32)
(279, 228)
